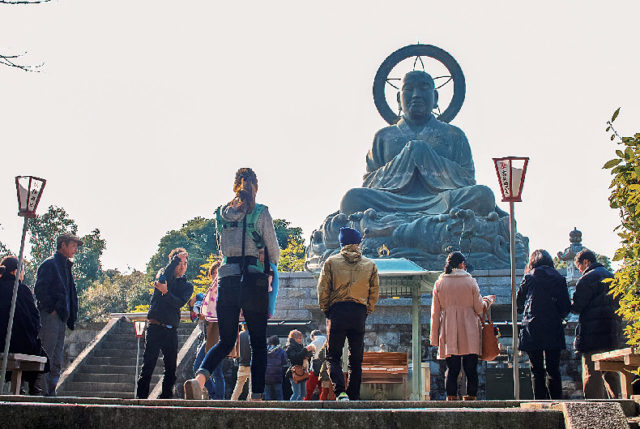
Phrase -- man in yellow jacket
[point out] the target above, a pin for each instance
(347, 293)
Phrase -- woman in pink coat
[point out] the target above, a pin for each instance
(455, 324)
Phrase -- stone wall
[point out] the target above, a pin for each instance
(390, 325)
(75, 341)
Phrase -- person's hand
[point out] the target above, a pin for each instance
(491, 299)
(53, 313)
(311, 348)
(162, 287)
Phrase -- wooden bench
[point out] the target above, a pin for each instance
(17, 363)
(623, 361)
(385, 368)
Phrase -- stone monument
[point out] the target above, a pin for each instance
(419, 199)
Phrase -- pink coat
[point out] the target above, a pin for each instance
(455, 325)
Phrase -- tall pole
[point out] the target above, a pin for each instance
(514, 312)
(416, 344)
(12, 311)
(135, 383)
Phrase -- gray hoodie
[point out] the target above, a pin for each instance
(231, 240)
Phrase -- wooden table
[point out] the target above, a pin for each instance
(620, 360)
(18, 363)
(385, 368)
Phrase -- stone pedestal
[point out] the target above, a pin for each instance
(390, 325)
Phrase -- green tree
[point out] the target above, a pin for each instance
(202, 282)
(45, 228)
(118, 293)
(285, 233)
(87, 267)
(198, 236)
(625, 197)
(292, 257)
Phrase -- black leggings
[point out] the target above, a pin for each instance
(470, 365)
(253, 301)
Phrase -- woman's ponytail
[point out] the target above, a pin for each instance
(453, 261)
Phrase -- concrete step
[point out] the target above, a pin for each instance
(77, 394)
(96, 388)
(144, 415)
(111, 378)
(116, 369)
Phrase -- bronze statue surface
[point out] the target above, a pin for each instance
(419, 198)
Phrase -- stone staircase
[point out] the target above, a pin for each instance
(108, 370)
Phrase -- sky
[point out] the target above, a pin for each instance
(144, 110)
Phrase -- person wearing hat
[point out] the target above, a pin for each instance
(347, 293)
(57, 300)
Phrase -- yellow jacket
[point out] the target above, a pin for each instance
(348, 276)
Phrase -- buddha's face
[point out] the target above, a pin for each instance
(417, 96)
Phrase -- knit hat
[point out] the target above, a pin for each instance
(10, 263)
(349, 236)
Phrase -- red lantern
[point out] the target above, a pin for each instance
(29, 190)
(511, 171)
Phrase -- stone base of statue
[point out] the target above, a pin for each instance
(422, 238)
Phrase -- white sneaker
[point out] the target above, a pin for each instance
(343, 397)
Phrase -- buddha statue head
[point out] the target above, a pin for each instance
(417, 96)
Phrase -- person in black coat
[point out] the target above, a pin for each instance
(543, 298)
(171, 292)
(599, 328)
(26, 319)
(57, 300)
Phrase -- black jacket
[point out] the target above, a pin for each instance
(543, 297)
(26, 320)
(166, 308)
(296, 352)
(55, 289)
(599, 328)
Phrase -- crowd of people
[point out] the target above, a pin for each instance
(348, 289)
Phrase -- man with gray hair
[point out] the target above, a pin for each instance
(57, 300)
(598, 328)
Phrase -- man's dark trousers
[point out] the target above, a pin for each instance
(165, 339)
(346, 320)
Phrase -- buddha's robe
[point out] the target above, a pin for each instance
(430, 171)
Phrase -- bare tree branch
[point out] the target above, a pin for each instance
(9, 61)
(23, 1)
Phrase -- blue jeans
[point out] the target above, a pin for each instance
(273, 392)
(215, 384)
(299, 390)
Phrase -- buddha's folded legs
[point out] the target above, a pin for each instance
(478, 198)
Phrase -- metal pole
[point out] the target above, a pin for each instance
(135, 383)
(416, 345)
(12, 311)
(514, 312)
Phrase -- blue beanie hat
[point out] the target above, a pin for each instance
(349, 236)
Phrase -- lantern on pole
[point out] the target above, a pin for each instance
(139, 326)
(511, 171)
(29, 189)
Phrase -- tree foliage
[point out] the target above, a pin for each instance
(118, 293)
(45, 229)
(197, 236)
(292, 257)
(285, 233)
(625, 197)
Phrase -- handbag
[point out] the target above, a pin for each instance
(490, 348)
(298, 373)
